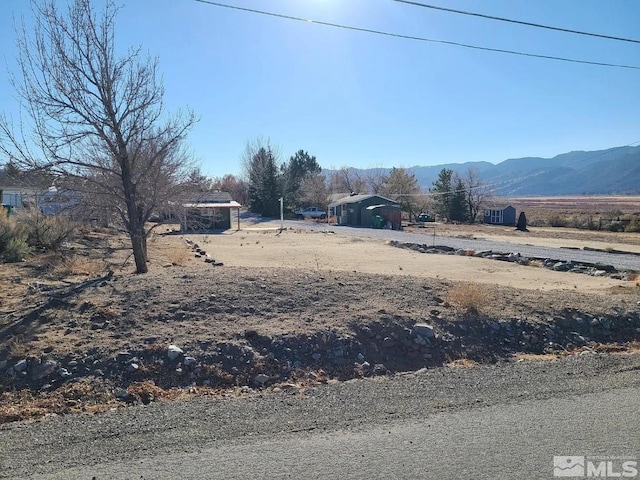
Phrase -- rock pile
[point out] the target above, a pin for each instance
(586, 268)
(377, 348)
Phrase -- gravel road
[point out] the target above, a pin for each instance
(620, 261)
(75, 446)
(499, 441)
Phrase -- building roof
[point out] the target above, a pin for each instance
(30, 180)
(499, 207)
(360, 198)
(334, 197)
(231, 204)
(384, 205)
(211, 197)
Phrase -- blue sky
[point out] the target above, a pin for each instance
(362, 100)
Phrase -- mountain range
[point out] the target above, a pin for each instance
(612, 171)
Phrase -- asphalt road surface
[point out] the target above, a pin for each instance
(504, 421)
(620, 261)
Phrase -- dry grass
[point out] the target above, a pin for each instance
(530, 357)
(584, 212)
(145, 392)
(634, 277)
(18, 347)
(77, 265)
(462, 362)
(178, 256)
(469, 297)
(71, 398)
(84, 397)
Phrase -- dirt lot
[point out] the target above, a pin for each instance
(284, 309)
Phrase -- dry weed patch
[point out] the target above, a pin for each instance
(530, 357)
(462, 362)
(178, 256)
(77, 265)
(73, 397)
(469, 297)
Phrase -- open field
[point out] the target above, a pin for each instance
(572, 204)
(292, 307)
(588, 212)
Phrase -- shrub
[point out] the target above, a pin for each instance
(7, 228)
(178, 256)
(13, 239)
(469, 297)
(16, 248)
(47, 232)
(556, 220)
(616, 226)
(633, 226)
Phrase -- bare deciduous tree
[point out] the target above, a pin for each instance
(478, 193)
(98, 119)
(376, 179)
(348, 180)
(314, 190)
(235, 186)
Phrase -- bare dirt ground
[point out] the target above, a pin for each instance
(284, 309)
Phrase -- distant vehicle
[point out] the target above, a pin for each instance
(425, 217)
(311, 212)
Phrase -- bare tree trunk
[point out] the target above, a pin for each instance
(139, 245)
(135, 226)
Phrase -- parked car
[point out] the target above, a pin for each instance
(311, 212)
(425, 217)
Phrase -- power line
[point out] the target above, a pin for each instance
(520, 22)
(420, 39)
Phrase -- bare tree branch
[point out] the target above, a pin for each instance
(98, 119)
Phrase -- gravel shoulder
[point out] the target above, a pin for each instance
(54, 444)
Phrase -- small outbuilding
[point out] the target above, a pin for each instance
(367, 211)
(22, 190)
(212, 211)
(500, 216)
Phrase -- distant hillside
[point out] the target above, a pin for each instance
(616, 170)
(611, 171)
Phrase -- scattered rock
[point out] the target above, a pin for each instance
(174, 352)
(424, 330)
(45, 369)
(123, 356)
(21, 366)
(379, 369)
(389, 342)
(261, 379)
(123, 396)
